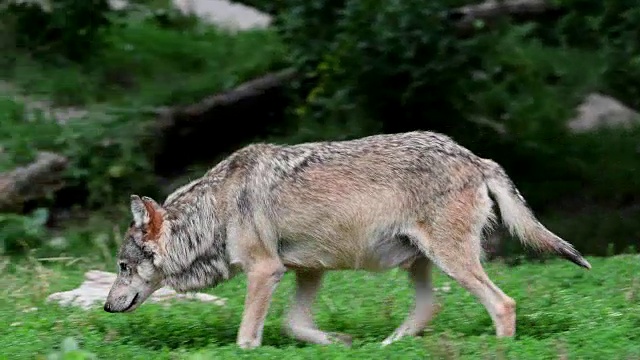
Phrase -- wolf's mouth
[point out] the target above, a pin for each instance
(133, 302)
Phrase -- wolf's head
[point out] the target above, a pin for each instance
(138, 275)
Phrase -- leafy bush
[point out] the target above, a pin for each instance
(370, 58)
(19, 232)
(71, 28)
(609, 29)
(403, 66)
(105, 153)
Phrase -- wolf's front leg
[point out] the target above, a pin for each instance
(262, 279)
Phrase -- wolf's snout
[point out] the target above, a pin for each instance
(107, 307)
(121, 304)
(114, 307)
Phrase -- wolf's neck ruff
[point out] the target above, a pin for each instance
(196, 255)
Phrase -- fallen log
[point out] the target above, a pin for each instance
(218, 122)
(34, 181)
(249, 89)
(490, 11)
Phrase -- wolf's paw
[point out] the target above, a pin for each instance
(248, 344)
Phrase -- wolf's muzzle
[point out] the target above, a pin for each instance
(107, 308)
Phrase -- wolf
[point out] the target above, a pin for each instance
(407, 200)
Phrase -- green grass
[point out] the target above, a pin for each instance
(562, 310)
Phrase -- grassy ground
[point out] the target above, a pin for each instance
(563, 312)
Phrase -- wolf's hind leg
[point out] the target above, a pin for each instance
(420, 274)
(452, 242)
(299, 322)
(465, 268)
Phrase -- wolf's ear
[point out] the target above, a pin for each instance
(147, 215)
(151, 204)
(139, 211)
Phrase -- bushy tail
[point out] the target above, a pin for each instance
(520, 219)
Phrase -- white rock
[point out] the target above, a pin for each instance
(225, 13)
(58, 242)
(94, 290)
(598, 111)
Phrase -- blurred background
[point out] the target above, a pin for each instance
(101, 99)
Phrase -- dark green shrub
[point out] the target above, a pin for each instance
(609, 29)
(71, 28)
(393, 60)
(19, 233)
(107, 154)
(402, 66)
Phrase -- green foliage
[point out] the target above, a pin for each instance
(105, 153)
(608, 28)
(22, 232)
(144, 64)
(561, 312)
(149, 58)
(71, 28)
(404, 66)
(371, 55)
